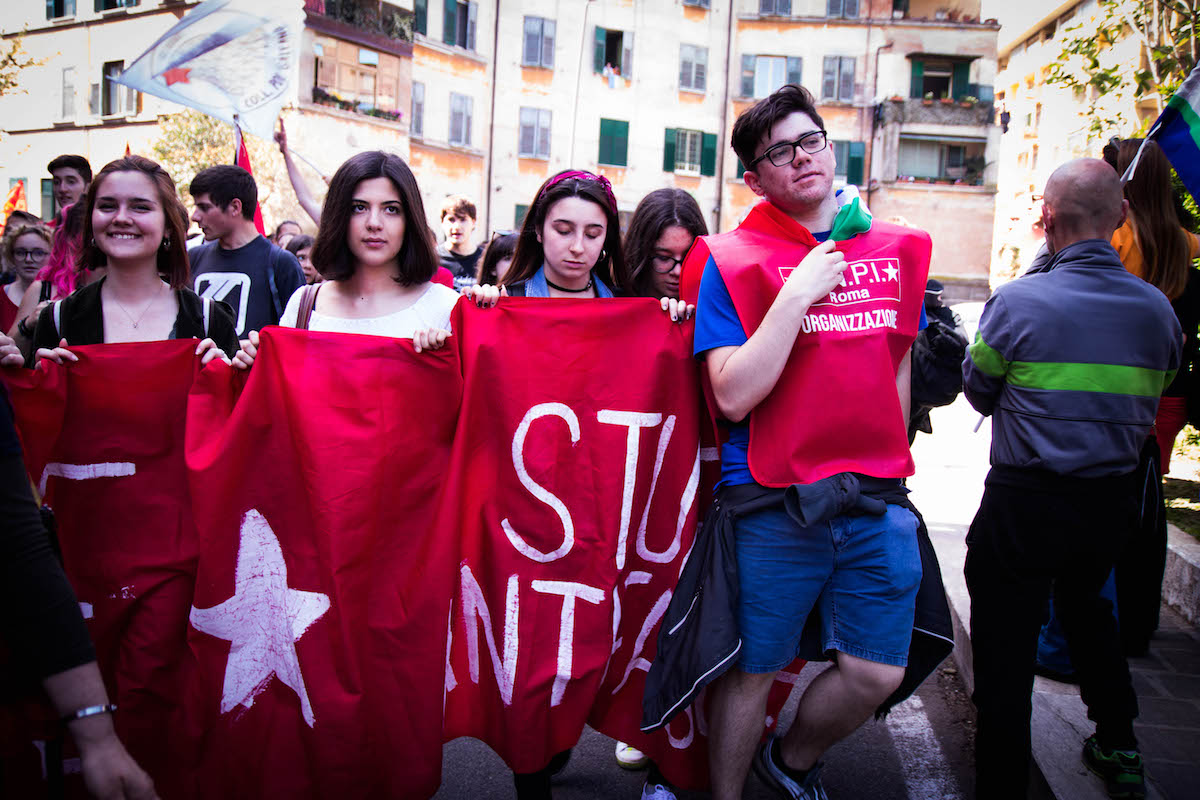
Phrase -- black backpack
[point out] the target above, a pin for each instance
(937, 358)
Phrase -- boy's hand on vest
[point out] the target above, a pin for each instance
(816, 275)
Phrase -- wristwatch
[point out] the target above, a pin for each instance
(24, 329)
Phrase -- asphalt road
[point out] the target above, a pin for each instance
(922, 750)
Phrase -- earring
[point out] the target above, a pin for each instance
(603, 254)
(166, 242)
(93, 242)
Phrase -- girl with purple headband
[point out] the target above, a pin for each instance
(569, 244)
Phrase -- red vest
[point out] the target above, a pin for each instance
(835, 407)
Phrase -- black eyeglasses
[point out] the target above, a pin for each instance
(21, 254)
(664, 264)
(784, 152)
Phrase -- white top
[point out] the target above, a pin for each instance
(431, 310)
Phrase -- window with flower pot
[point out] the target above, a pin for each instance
(356, 78)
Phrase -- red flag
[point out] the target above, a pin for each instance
(110, 464)
(325, 581)
(241, 157)
(578, 503)
(14, 202)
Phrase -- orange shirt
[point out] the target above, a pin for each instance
(1131, 256)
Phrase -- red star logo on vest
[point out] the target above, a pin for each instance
(176, 75)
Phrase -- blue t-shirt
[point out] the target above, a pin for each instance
(717, 325)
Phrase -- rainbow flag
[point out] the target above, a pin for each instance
(1177, 131)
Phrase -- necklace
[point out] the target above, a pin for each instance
(571, 291)
(135, 322)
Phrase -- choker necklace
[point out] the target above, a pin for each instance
(571, 291)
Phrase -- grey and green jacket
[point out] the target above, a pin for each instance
(1071, 363)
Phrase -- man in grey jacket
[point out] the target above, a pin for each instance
(1071, 363)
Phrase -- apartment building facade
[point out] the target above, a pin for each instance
(488, 98)
(1047, 124)
(351, 91)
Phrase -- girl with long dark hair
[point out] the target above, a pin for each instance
(134, 227)
(375, 257)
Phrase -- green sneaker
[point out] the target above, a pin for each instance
(1123, 771)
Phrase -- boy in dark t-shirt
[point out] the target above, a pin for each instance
(457, 253)
(237, 264)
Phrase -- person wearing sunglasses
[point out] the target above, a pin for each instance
(26, 248)
(805, 315)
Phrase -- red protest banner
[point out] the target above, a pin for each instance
(376, 571)
(325, 578)
(104, 440)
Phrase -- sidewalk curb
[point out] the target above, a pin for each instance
(1058, 722)
(1181, 580)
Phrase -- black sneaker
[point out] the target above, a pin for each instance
(768, 770)
(1123, 771)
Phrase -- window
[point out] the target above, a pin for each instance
(693, 67)
(838, 81)
(356, 78)
(534, 140)
(939, 78)
(417, 125)
(460, 119)
(109, 5)
(762, 75)
(849, 157)
(519, 212)
(778, 8)
(421, 17)
(697, 3)
(459, 23)
(115, 98)
(613, 50)
(933, 157)
(539, 43)
(47, 199)
(68, 93)
(614, 142)
(690, 152)
(60, 8)
(842, 8)
(687, 152)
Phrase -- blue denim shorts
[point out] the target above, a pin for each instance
(860, 573)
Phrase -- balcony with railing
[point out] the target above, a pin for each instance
(370, 22)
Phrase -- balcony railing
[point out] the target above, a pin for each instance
(939, 112)
(370, 16)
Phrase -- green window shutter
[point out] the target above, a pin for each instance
(519, 213)
(598, 51)
(421, 16)
(620, 143)
(854, 164)
(962, 80)
(669, 151)
(708, 154)
(918, 79)
(741, 168)
(605, 154)
(450, 22)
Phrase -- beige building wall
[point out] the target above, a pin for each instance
(442, 70)
(1048, 125)
(41, 121)
(649, 98)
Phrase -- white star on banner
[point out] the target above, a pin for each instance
(264, 619)
(892, 273)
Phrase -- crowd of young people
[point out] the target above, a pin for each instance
(117, 269)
